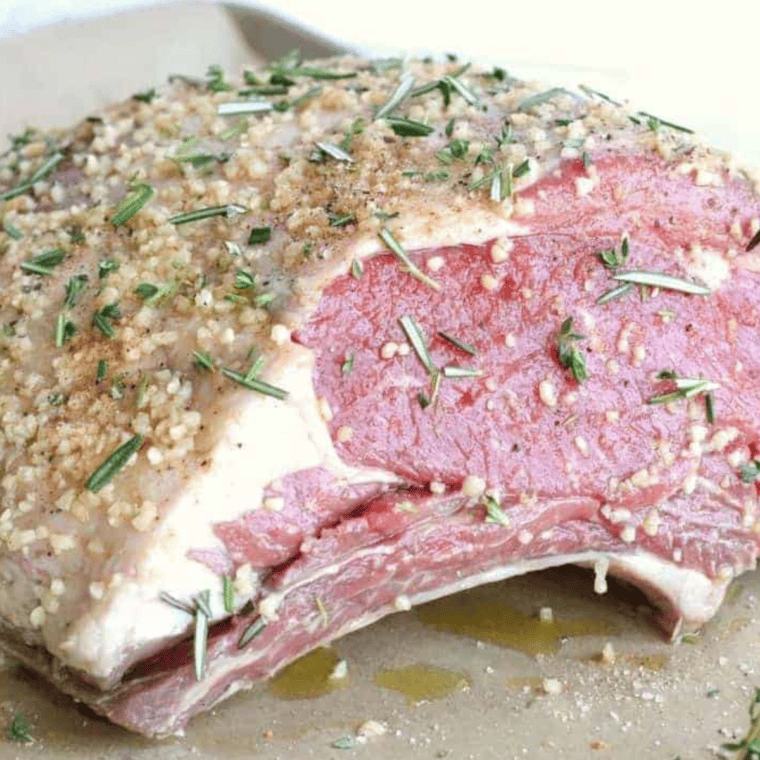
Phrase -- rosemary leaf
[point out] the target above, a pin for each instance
(228, 594)
(615, 293)
(200, 637)
(42, 172)
(228, 210)
(663, 281)
(259, 235)
(240, 109)
(250, 633)
(395, 247)
(254, 384)
(113, 464)
(335, 152)
(402, 91)
(416, 337)
(44, 262)
(460, 344)
(136, 200)
(408, 127)
(453, 372)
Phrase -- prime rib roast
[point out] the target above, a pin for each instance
(282, 356)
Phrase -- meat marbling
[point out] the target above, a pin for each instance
(390, 474)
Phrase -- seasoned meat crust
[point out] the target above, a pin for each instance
(282, 356)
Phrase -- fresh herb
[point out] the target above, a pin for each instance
(453, 372)
(263, 299)
(402, 91)
(199, 160)
(20, 730)
(74, 289)
(710, 408)
(450, 128)
(462, 89)
(228, 594)
(263, 90)
(106, 266)
(136, 200)
(146, 96)
(749, 746)
(312, 92)
(532, 101)
(749, 473)
(754, 242)
(319, 73)
(494, 512)
(64, 329)
(337, 220)
(598, 94)
(416, 337)
(43, 263)
(259, 235)
(408, 127)
(142, 386)
(348, 364)
(569, 355)
(146, 290)
(250, 633)
(200, 637)
(501, 183)
(57, 399)
(203, 360)
(586, 159)
(215, 80)
(615, 293)
(11, 230)
(113, 463)
(335, 152)
(664, 281)
(395, 247)
(613, 258)
(521, 169)
(178, 604)
(655, 122)
(102, 319)
(239, 109)
(460, 344)
(357, 269)
(345, 742)
(357, 127)
(381, 65)
(239, 128)
(228, 210)
(255, 384)
(42, 172)
(101, 371)
(244, 280)
(686, 387)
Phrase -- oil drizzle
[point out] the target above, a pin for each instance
(480, 614)
(420, 682)
(308, 677)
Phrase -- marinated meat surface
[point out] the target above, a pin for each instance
(388, 361)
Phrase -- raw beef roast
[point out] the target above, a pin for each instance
(279, 360)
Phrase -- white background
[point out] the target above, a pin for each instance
(690, 62)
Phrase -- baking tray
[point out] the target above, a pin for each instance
(510, 686)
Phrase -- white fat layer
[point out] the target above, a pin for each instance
(693, 595)
(278, 438)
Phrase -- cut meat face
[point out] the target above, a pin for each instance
(430, 362)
